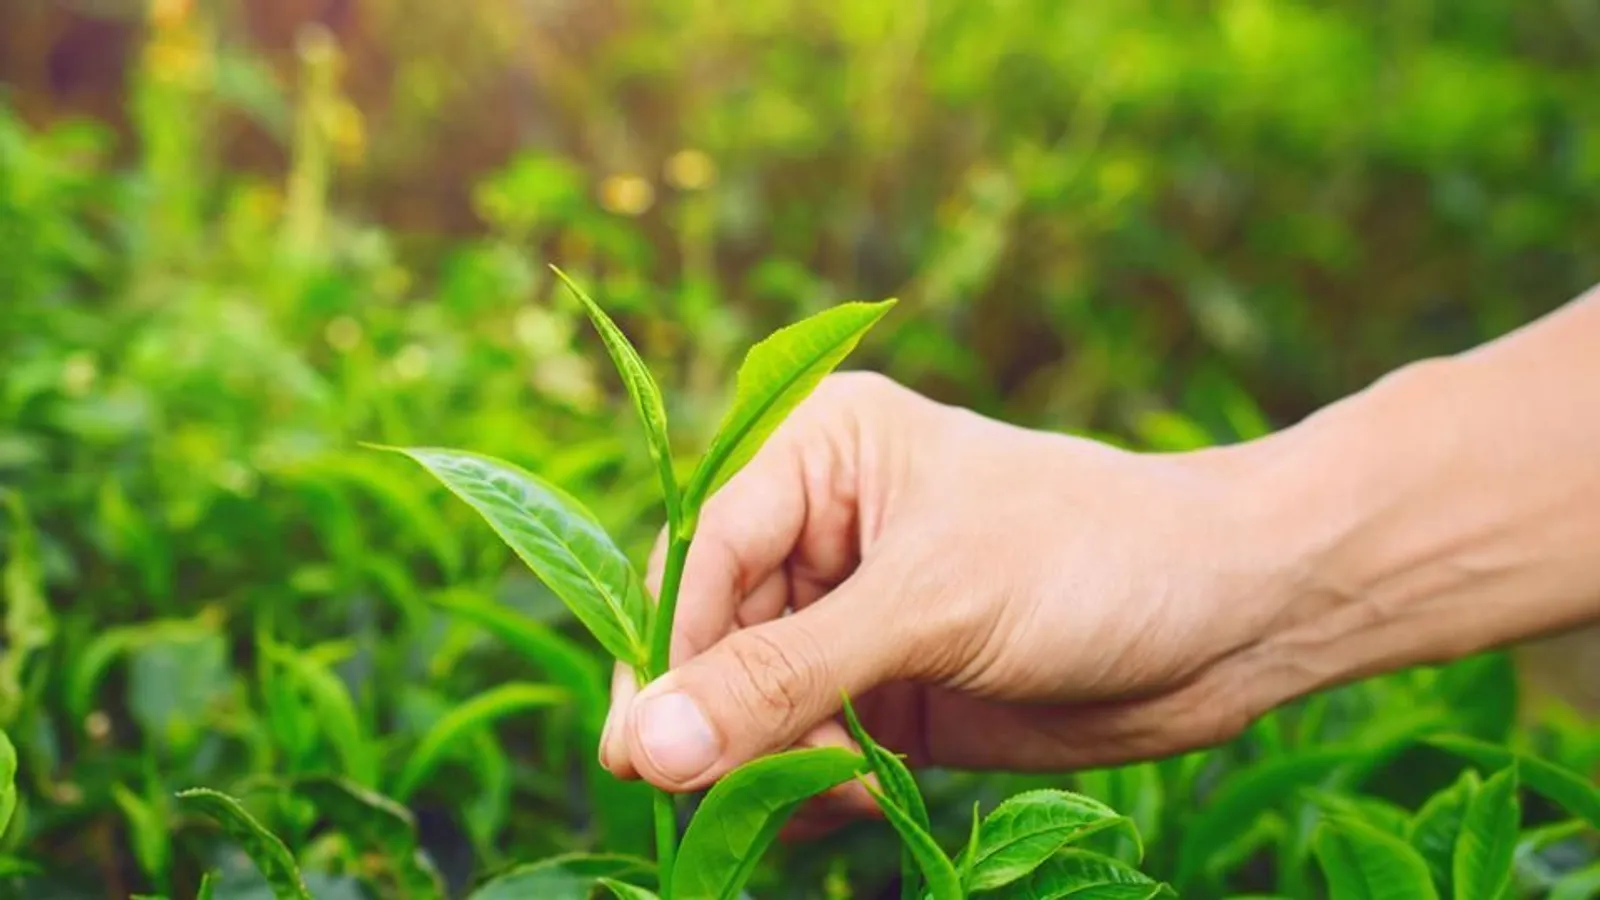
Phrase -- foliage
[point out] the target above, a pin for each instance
(1163, 224)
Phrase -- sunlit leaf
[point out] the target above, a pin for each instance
(938, 872)
(777, 374)
(1082, 875)
(900, 787)
(642, 389)
(558, 539)
(1436, 826)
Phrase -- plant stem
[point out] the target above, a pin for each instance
(667, 608)
(666, 820)
(665, 806)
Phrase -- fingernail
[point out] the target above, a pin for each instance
(676, 736)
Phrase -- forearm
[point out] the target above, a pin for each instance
(1449, 508)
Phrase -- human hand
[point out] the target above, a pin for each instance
(992, 597)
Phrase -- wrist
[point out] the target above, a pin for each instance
(1348, 510)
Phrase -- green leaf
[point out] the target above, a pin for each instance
(479, 712)
(776, 375)
(376, 821)
(642, 389)
(89, 666)
(563, 661)
(1560, 786)
(1436, 826)
(624, 891)
(269, 854)
(8, 781)
(1243, 796)
(968, 853)
(1082, 875)
(336, 712)
(742, 813)
(208, 887)
(1363, 863)
(1380, 814)
(559, 540)
(1482, 865)
(944, 882)
(1029, 828)
(901, 788)
(147, 830)
(30, 626)
(1584, 884)
(569, 877)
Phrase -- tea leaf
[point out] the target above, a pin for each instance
(88, 667)
(1380, 814)
(1082, 875)
(479, 712)
(625, 891)
(208, 887)
(1482, 865)
(564, 661)
(741, 815)
(1363, 863)
(8, 781)
(1244, 796)
(269, 854)
(336, 711)
(1437, 825)
(901, 788)
(570, 877)
(559, 540)
(642, 389)
(1029, 828)
(944, 882)
(776, 375)
(1561, 786)
(374, 819)
(147, 829)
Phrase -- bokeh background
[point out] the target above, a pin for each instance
(236, 238)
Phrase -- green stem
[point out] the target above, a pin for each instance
(665, 806)
(667, 609)
(666, 816)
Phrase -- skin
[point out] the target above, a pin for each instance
(999, 598)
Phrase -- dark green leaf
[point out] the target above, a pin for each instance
(1487, 843)
(569, 877)
(742, 813)
(336, 712)
(1082, 875)
(777, 374)
(559, 540)
(1363, 863)
(1029, 828)
(269, 854)
(375, 820)
(642, 389)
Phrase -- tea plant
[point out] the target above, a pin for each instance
(563, 543)
(1028, 847)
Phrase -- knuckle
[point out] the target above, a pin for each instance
(775, 679)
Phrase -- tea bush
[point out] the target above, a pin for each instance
(1164, 224)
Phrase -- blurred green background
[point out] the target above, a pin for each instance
(236, 238)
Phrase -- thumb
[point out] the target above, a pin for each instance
(760, 689)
